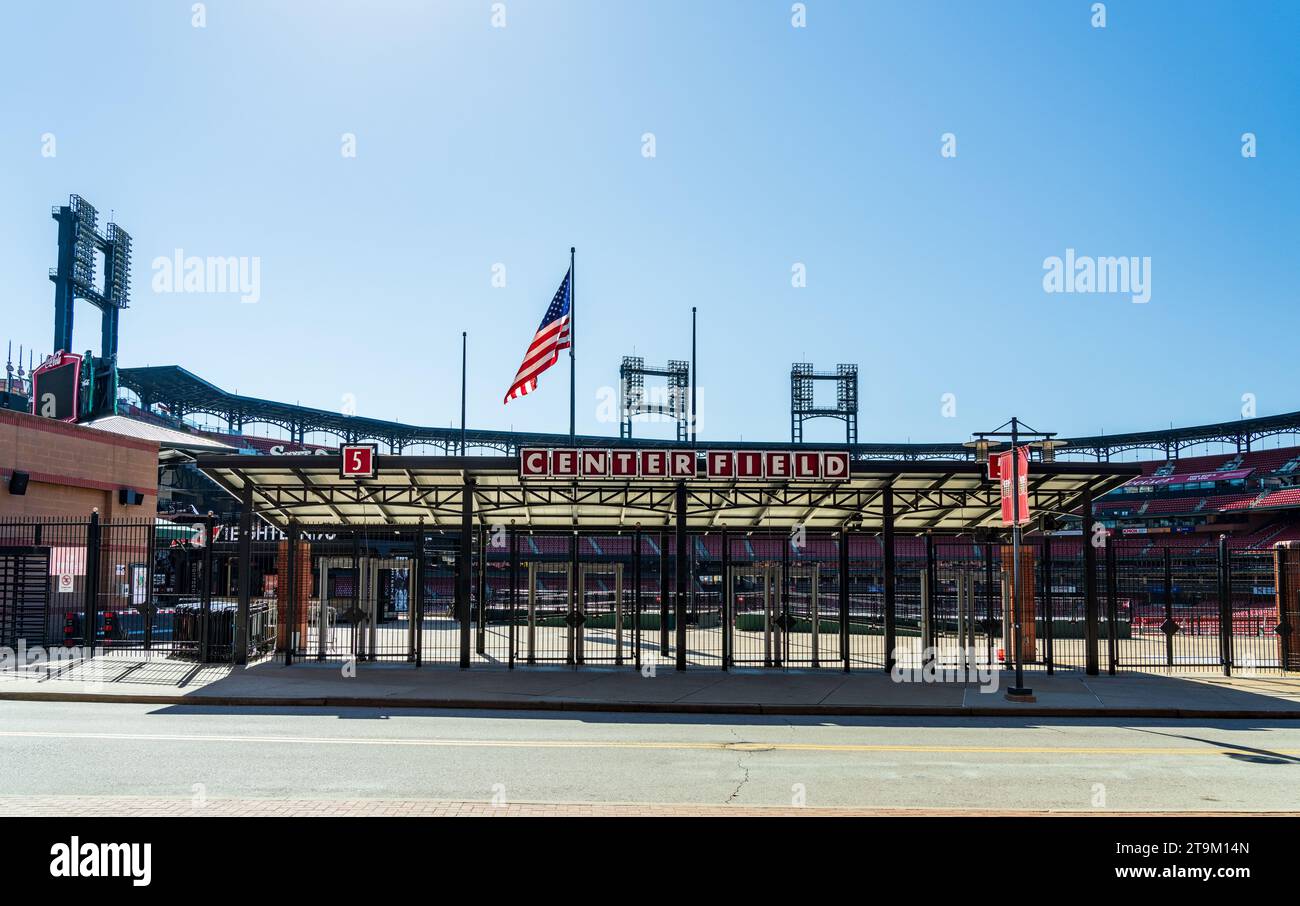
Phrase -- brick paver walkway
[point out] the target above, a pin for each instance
(139, 806)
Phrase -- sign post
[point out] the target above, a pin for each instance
(1012, 474)
(1011, 471)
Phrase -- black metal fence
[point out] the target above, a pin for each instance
(133, 585)
(756, 599)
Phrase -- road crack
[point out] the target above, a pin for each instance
(744, 754)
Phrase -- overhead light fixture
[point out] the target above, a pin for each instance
(981, 446)
(1047, 448)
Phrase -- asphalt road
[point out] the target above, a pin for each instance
(94, 750)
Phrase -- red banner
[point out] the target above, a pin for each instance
(1003, 471)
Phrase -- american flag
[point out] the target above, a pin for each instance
(544, 350)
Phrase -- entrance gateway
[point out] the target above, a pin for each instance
(671, 556)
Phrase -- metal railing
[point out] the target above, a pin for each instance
(198, 590)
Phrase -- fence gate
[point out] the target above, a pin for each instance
(809, 625)
(1252, 614)
(754, 590)
(957, 624)
(548, 633)
(24, 595)
(602, 620)
(364, 607)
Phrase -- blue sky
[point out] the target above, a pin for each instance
(774, 145)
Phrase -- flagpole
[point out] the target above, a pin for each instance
(464, 347)
(573, 387)
(692, 423)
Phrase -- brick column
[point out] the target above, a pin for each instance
(1025, 600)
(302, 593)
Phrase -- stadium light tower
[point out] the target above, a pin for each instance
(803, 379)
(678, 406)
(980, 443)
(74, 278)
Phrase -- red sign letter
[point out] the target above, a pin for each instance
(778, 465)
(683, 464)
(835, 466)
(720, 464)
(653, 464)
(749, 465)
(595, 463)
(625, 463)
(807, 465)
(564, 463)
(532, 463)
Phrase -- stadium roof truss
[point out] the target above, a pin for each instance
(186, 393)
(943, 497)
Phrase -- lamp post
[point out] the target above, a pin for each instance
(1019, 431)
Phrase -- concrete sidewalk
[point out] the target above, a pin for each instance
(158, 680)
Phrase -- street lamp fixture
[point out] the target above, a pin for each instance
(981, 445)
(1047, 449)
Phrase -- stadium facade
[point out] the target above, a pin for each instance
(554, 549)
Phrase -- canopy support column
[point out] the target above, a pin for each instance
(1089, 587)
(636, 594)
(844, 596)
(464, 568)
(725, 602)
(683, 570)
(245, 575)
(887, 539)
(663, 596)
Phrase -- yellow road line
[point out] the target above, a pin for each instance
(648, 744)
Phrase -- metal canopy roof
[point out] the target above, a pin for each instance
(936, 496)
(166, 438)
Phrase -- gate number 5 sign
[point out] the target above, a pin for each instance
(359, 461)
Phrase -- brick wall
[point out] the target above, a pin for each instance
(301, 597)
(74, 469)
(1027, 600)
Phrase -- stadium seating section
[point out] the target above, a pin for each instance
(1255, 513)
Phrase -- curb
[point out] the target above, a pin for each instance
(754, 709)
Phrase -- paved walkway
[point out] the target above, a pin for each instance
(161, 680)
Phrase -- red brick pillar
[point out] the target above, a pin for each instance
(1026, 601)
(302, 593)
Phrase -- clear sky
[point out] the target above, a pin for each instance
(773, 145)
